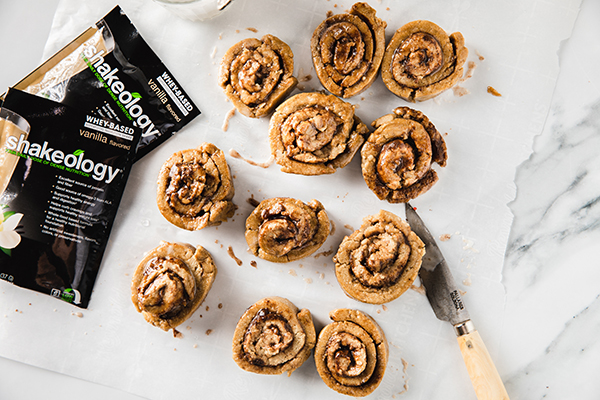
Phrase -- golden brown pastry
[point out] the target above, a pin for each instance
(379, 261)
(171, 282)
(314, 134)
(397, 157)
(195, 188)
(351, 353)
(256, 75)
(347, 50)
(421, 61)
(273, 337)
(282, 229)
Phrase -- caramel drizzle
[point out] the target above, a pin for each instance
(233, 153)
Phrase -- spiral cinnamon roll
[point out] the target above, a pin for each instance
(273, 337)
(352, 352)
(171, 282)
(314, 134)
(397, 157)
(283, 229)
(256, 75)
(421, 61)
(347, 50)
(195, 188)
(379, 261)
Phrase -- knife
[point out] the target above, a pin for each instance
(446, 301)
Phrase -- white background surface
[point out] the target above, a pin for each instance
(20, 375)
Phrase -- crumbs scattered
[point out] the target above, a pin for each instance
(208, 332)
(404, 369)
(481, 58)
(253, 263)
(329, 13)
(232, 255)
(467, 280)
(207, 308)
(460, 91)
(306, 78)
(418, 289)
(77, 314)
(214, 52)
(177, 334)
(404, 365)
(471, 65)
(308, 280)
(195, 346)
(469, 245)
(220, 306)
(445, 237)
(493, 91)
(326, 253)
(252, 201)
(292, 272)
(252, 30)
(384, 307)
(349, 227)
(332, 230)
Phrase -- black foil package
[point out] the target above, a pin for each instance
(110, 71)
(63, 191)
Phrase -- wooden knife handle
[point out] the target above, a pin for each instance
(481, 368)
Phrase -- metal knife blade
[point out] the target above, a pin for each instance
(441, 290)
(445, 299)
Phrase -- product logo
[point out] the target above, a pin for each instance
(127, 101)
(9, 238)
(74, 162)
(69, 295)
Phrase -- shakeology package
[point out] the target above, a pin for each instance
(63, 172)
(111, 72)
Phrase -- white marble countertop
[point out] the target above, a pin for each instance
(552, 313)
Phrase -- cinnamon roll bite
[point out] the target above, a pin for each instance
(352, 352)
(379, 261)
(171, 282)
(347, 50)
(283, 229)
(195, 189)
(397, 158)
(256, 75)
(315, 133)
(422, 60)
(273, 336)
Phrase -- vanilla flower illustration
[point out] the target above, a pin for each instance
(9, 239)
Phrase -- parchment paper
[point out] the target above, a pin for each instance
(513, 45)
